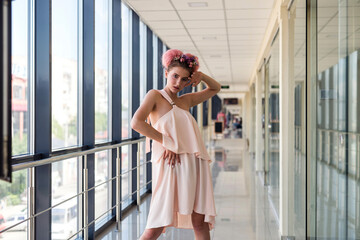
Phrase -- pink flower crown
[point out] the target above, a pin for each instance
(190, 60)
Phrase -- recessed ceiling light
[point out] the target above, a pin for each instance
(197, 4)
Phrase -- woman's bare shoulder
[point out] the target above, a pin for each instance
(153, 94)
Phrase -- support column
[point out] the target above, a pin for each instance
(200, 111)
(247, 119)
(259, 166)
(252, 118)
(244, 106)
(42, 117)
(286, 123)
(210, 127)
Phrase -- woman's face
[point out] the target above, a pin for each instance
(177, 78)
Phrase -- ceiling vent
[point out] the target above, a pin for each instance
(197, 4)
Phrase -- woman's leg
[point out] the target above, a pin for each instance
(201, 228)
(151, 233)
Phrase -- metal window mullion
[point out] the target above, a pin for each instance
(149, 86)
(160, 74)
(135, 92)
(5, 99)
(42, 116)
(116, 95)
(88, 110)
(311, 128)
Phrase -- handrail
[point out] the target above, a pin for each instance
(54, 159)
(83, 193)
(338, 131)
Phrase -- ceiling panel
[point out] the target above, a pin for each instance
(204, 24)
(246, 30)
(246, 4)
(247, 23)
(210, 4)
(210, 31)
(248, 14)
(159, 15)
(202, 15)
(166, 24)
(153, 5)
(170, 32)
(209, 37)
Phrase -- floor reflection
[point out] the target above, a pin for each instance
(338, 203)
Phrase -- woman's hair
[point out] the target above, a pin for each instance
(176, 58)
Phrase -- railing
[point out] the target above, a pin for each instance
(31, 165)
(340, 150)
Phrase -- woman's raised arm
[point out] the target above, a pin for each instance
(213, 87)
(138, 121)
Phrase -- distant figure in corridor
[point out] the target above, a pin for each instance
(182, 193)
(222, 118)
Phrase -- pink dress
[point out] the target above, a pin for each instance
(178, 191)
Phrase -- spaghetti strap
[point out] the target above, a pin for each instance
(167, 97)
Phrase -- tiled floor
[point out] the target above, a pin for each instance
(243, 208)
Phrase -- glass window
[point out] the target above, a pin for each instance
(142, 167)
(102, 192)
(102, 69)
(163, 74)
(143, 55)
(64, 73)
(155, 61)
(143, 64)
(273, 97)
(13, 206)
(125, 71)
(65, 184)
(126, 176)
(20, 77)
(338, 114)
(299, 171)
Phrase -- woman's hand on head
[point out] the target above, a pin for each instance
(195, 78)
(171, 157)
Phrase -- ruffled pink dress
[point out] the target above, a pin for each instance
(178, 191)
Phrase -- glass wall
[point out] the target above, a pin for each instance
(125, 70)
(125, 105)
(273, 124)
(155, 61)
(102, 69)
(13, 196)
(126, 176)
(13, 206)
(103, 187)
(143, 64)
(143, 87)
(65, 217)
(338, 117)
(64, 73)
(62, 181)
(298, 23)
(20, 77)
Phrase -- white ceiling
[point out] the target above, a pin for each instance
(226, 35)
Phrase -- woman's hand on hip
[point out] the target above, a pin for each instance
(171, 157)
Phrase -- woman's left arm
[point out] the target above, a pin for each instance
(212, 88)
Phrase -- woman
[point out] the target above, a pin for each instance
(182, 193)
